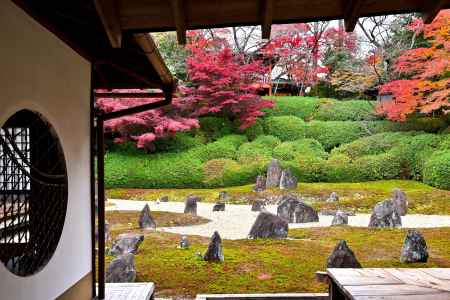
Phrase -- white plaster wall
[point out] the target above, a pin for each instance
(40, 72)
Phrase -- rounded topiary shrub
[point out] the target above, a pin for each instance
(436, 171)
(377, 167)
(334, 133)
(258, 150)
(349, 110)
(302, 107)
(297, 148)
(286, 128)
(179, 142)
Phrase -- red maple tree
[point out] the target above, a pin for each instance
(222, 83)
(424, 84)
(219, 83)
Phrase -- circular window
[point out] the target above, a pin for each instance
(33, 192)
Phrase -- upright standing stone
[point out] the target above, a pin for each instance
(385, 215)
(191, 205)
(258, 205)
(121, 269)
(342, 257)
(414, 248)
(273, 174)
(145, 219)
(269, 226)
(260, 184)
(341, 218)
(214, 252)
(288, 180)
(295, 211)
(126, 243)
(333, 197)
(400, 201)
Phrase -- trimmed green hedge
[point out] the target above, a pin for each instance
(226, 147)
(334, 133)
(168, 170)
(286, 128)
(436, 170)
(301, 107)
(349, 110)
(258, 150)
(297, 148)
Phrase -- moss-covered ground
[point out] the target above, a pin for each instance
(360, 197)
(271, 265)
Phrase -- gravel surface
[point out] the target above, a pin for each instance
(235, 222)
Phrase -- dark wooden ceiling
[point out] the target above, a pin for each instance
(109, 32)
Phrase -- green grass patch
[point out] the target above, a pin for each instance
(271, 266)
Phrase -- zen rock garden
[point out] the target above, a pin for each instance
(291, 208)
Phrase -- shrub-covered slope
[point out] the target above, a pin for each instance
(321, 140)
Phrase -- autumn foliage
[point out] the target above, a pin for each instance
(424, 86)
(223, 83)
(218, 83)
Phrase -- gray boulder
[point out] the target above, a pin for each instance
(384, 215)
(341, 218)
(414, 248)
(273, 174)
(333, 197)
(332, 212)
(288, 180)
(400, 201)
(342, 257)
(121, 269)
(269, 226)
(260, 184)
(258, 205)
(145, 219)
(214, 252)
(164, 199)
(220, 206)
(190, 205)
(184, 243)
(295, 211)
(126, 243)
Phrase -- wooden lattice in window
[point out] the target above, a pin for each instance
(33, 192)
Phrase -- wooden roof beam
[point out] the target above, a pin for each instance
(148, 45)
(267, 15)
(351, 14)
(179, 16)
(109, 14)
(432, 9)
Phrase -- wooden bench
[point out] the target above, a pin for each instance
(390, 283)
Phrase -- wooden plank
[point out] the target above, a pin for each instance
(439, 273)
(109, 14)
(440, 296)
(267, 15)
(352, 12)
(387, 290)
(147, 44)
(179, 17)
(419, 278)
(432, 9)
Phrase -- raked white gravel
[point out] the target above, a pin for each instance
(235, 222)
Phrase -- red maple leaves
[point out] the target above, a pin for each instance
(426, 87)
